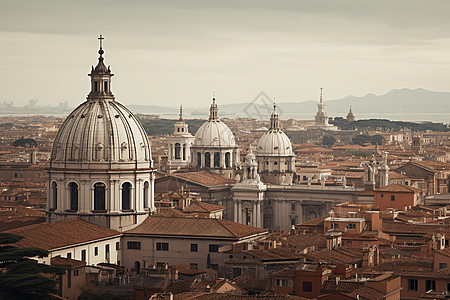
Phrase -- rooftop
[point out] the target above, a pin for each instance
(50, 236)
(398, 188)
(199, 227)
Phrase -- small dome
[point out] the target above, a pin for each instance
(101, 131)
(214, 133)
(274, 143)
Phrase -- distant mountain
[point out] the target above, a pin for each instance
(404, 101)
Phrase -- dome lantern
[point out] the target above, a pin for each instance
(100, 78)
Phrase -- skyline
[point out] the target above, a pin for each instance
(166, 53)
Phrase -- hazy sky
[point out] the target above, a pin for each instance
(171, 52)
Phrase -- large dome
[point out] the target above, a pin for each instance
(101, 131)
(214, 133)
(274, 142)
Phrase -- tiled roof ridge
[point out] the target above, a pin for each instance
(49, 224)
(400, 187)
(223, 225)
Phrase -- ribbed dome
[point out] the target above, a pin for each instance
(274, 143)
(101, 131)
(214, 134)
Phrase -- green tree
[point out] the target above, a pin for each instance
(27, 143)
(21, 276)
(328, 140)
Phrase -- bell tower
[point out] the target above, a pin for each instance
(179, 144)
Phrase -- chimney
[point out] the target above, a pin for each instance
(33, 159)
(168, 296)
(337, 280)
(292, 230)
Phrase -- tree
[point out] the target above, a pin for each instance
(364, 139)
(26, 143)
(22, 277)
(328, 140)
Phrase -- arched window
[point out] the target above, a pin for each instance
(207, 160)
(137, 266)
(126, 195)
(199, 160)
(216, 160)
(55, 195)
(184, 152)
(73, 187)
(227, 159)
(177, 151)
(99, 196)
(146, 185)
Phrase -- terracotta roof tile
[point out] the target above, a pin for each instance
(289, 273)
(330, 286)
(408, 228)
(299, 242)
(202, 207)
(366, 292)
(205, 178)
(314, 222)
(337, 256)
(222, 296)
(273, 254)
(399, 188)
(445, 252)
(67, 262)
(49, 236)
(202, 227)
(397, 175)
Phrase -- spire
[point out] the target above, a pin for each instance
(213, 111)
(181, 113)
(274, 121)
(321, 98)
(100, 77)
(321, 106)
(350, 115)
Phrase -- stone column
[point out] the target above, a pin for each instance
(222, 160)
(60, 189)
(254, 214)
(114, 196)
(240, 211)
(139, 195)
(151, 195)
(235, 211)
(258, 215)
